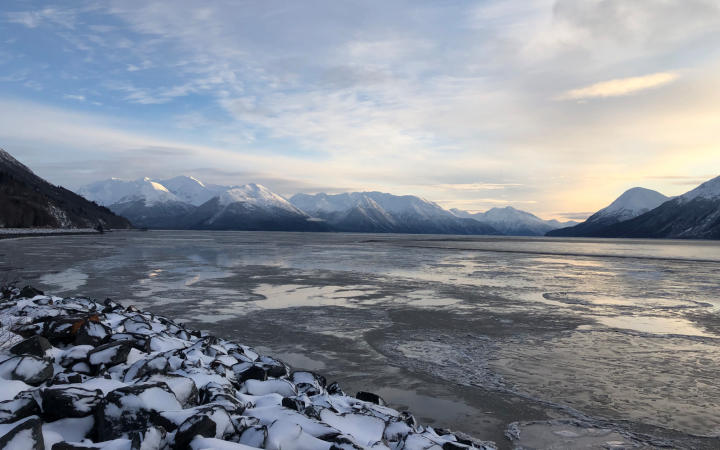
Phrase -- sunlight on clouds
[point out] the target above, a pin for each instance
(477, 186)
(620, 87)
(449, 100)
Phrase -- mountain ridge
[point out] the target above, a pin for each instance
(28, 201)
(514, 222)
(630, 204)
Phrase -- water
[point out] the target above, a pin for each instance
(471, 333)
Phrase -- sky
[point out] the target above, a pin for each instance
(554, 107)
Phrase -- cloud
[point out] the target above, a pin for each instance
(78, 97)
(33, 19)
(682, 180)
(477, 186)
(409, 97)
(620, 86)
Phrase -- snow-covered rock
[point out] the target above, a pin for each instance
(154, 384)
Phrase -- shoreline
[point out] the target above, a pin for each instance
(117, 376)
(11, 233)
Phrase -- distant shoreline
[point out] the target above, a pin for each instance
(10, 233)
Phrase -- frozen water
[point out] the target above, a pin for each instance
(494, 330)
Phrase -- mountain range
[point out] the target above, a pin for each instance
(183, 202)
(378, 212)
(514, 222)
(187, 203)
(642, 213)
(28, 201)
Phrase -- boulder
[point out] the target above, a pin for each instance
(129, 408)
(246, 371)
(183, 387)
(32, 370)
(63, 330)
(220, 395)
(254, 436)
(152, 438)
(147, 367)
(66, 378)
(110, 354)
(34, 345)
(200, 425)
(30, 292)
(22, 406)
(370, 397)
(92, 333)
(59, 403)
(25, 436)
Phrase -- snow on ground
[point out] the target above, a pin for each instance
(101, 375)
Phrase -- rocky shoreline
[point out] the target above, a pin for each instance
(79, 373)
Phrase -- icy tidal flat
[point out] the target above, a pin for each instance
(474, 334)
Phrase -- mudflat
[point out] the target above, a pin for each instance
(470, 333)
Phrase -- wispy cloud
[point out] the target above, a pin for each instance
(682, 180)
(78, 97)
(477, 186)
(620, 86)
(35, 18)
(439, 99)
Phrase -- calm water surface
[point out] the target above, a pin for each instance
(471, 333)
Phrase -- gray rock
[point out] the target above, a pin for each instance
(34, 345)
(26, 436)
(32, 370)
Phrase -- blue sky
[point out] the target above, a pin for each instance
(555, 107)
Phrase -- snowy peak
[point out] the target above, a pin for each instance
(33, 202)
(115, 190)
(389, 203)
(153, 192)
(509, 213)
(631, 203)
(709, 190)
(382, 212)
(512, 221)
(256, 195)
(191, 190)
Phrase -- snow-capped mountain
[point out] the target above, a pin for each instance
(258, 196)
(191, 190)
(514, 222)
(382, 212)
(146, 203)
(709, 190)
(186, 202)
(693, 215)
(27, 200)
(115, 190)
(630, 204)
(251, 207)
